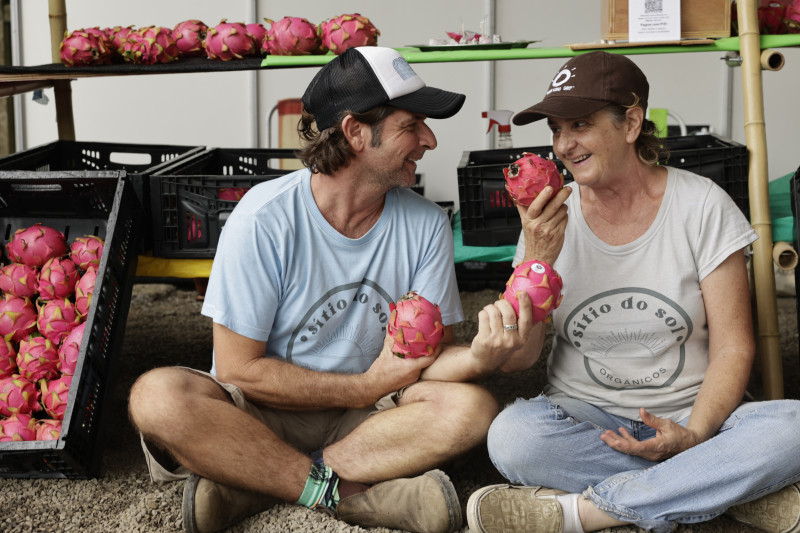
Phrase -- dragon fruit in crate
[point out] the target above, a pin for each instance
(37, 358)
(348, 31)
(17, 427)
(529, 175)
(228, 40)
(415, 324)
(17, 317)
(35, 245)
(57, 318)
(86, 250)
(19, 280)
(292, 36)
(84, 291)
(80, 48)
(55, 394)
(57, 278)
(8, 358)
(18, 395)
(70, 349)
(48, 429)
(541, 282)
(189, 36)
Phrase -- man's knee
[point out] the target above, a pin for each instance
(468, 407)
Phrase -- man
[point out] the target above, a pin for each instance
(305, 402)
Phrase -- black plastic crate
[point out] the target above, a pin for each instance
(138, 160)
(488, 215)
(187, 211)
(102, 203)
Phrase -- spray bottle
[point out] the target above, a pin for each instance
(502, 119)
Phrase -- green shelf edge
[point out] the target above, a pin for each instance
(414, 55)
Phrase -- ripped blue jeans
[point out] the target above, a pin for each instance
(555, 442)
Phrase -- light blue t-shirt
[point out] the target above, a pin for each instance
(320, 300)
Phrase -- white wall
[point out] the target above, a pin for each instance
(231, 109)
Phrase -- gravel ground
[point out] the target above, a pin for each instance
(164, 327)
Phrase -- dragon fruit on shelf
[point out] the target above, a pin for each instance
(86, 250)
(80, 48)
(292, 36)
(791, 17)
(415, 324)
(189, 36)
(541, 282)
(150, 45)
(17, 427)
(37, 358)
(84, 290)
(529, 175)
(18, 395)
(257, 32)
(227, 41)
(55, 393)
(57, 278)
(35, 245)
(8, 358)
(17, 317)
(57, 318)
(48, 429)
(348, 31)
(118, 36)
(19, 280)
(107, 50)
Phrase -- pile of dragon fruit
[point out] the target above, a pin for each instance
(47, 286)
(226, 41)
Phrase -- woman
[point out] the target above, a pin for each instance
(642, 420)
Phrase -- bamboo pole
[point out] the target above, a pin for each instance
(756, 139)
(63, 91)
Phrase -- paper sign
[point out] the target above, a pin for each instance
(654, 20)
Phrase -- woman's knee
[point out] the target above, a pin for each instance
(515, 433)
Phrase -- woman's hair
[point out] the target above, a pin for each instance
(649, 146)
(328, 150)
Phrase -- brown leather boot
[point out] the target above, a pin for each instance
(424, 504)
(209, 507)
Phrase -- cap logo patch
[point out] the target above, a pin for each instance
(561, 78)
(402, 68)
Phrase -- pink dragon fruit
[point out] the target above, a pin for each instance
(257, 32)
(70, 350)
(35, 245)
(227, 41)
(150, 45)
(55, 394)
(189, 36)
(17, 317)
(292, 36)
(107, 52)
(17, 427)
(541, 282)
(348, 31)
(86, 250)
(791, 17)
(80, 48)
(84, 291)
(57, 278)
(48, 429)
(231, 194)
(8, 359)
(18, 395)
(57, 318)
(37, 358)
(529, 175)
(118, 36)
(19, 280)
(415, 324)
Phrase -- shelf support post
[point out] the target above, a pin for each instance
(63, 91)
(768, 341)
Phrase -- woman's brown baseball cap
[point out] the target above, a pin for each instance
(587, 83)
